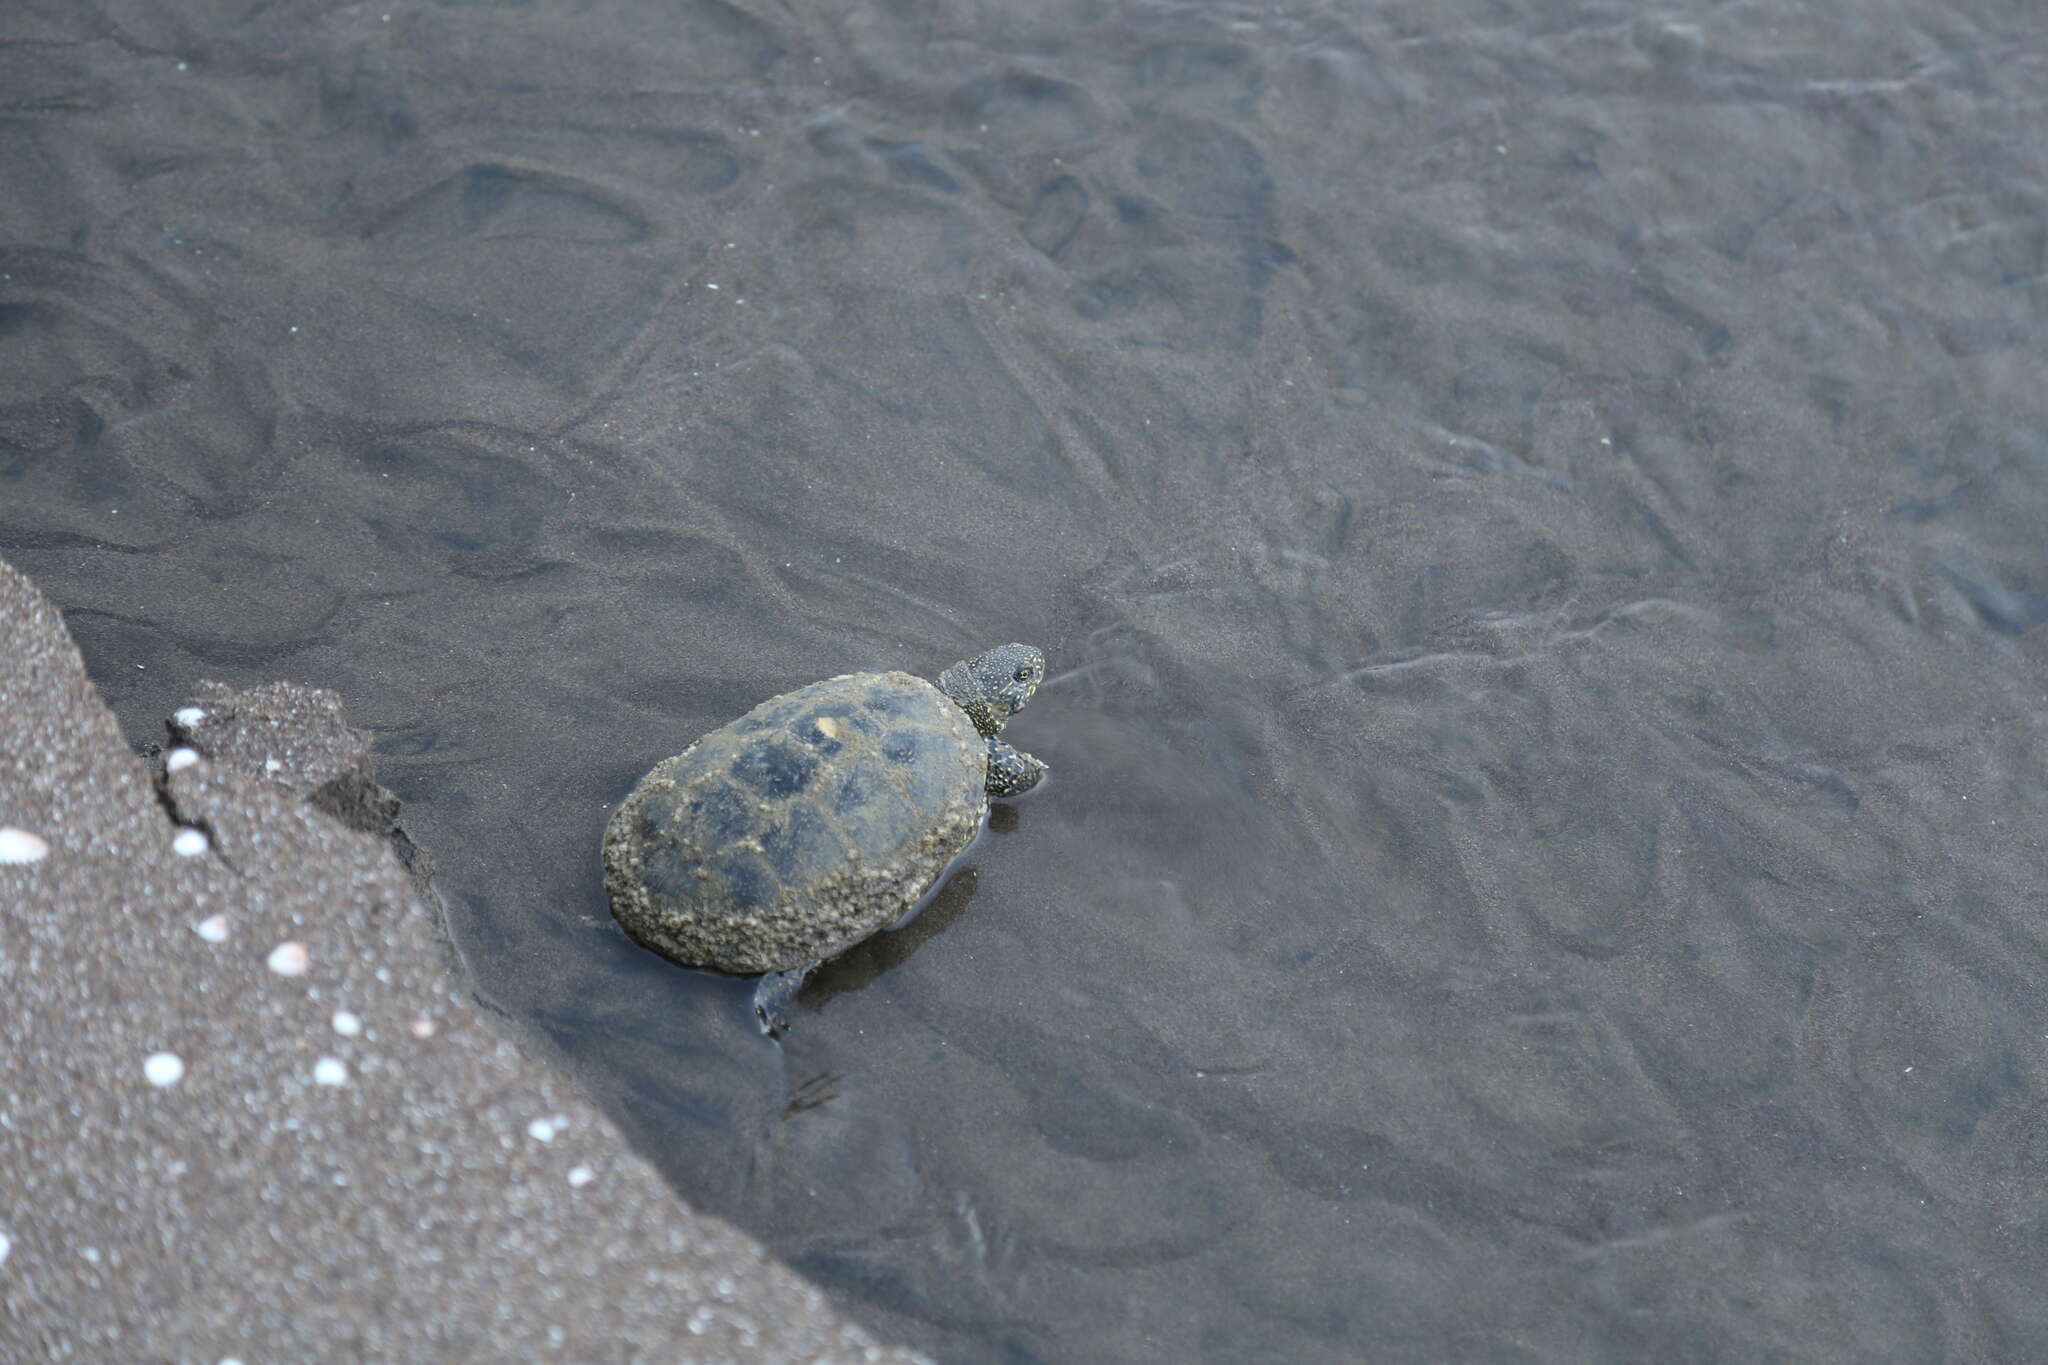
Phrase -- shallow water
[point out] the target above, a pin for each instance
(1534, 510)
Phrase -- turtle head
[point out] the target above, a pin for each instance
(994, 685)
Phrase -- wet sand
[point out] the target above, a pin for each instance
(1534, 512)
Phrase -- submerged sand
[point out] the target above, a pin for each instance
(1533, 507)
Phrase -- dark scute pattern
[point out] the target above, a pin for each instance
(920, 755)
(872, 813)
(719, 814)
(745, 878)
(910, 746)
(803, 850)
(667, 871)
(775, 769)
(891, 702)
(857, 789)
(653, 819)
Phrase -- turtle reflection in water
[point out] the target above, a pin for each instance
(819, 817)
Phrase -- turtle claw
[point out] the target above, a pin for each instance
(775, 998)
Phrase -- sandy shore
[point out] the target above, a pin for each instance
(248, 1108)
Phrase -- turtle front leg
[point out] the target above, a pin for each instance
(1011, 772)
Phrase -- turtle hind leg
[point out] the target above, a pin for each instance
(775, 999)
(1011, 772)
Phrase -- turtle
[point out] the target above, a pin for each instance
(782, 839)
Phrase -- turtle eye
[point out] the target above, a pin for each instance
(1023, 675)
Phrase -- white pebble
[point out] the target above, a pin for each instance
(541, 1130)
(271, 765)
(19, 846)
(180, 759)
(190, 842)
(330, 1071)
(6, 1245)
(214, 929)
(580, 1176)
(189, 716)
(164, 1068)
(346, 1024)
(288, 959)
(423, 1027)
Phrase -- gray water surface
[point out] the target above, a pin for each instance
(1535, 511)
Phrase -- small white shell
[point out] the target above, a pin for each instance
(19, 846)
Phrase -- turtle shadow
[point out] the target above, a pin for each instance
(870, 959)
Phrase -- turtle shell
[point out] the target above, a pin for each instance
(799, 829)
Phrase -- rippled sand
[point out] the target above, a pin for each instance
(1535, 514)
